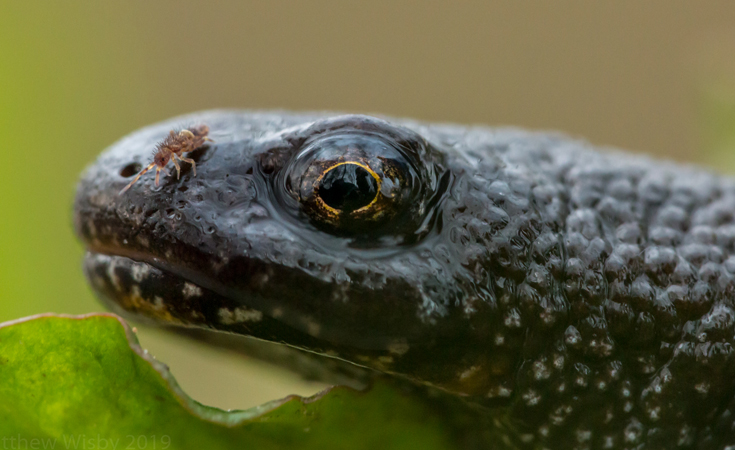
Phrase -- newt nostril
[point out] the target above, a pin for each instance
(130, 170)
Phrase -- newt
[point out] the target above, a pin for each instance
(587, 292)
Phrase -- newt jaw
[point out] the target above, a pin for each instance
(145, 292)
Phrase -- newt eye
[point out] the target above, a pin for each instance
(348, 186)
(351, 182)
(361, 177)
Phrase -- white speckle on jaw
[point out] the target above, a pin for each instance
(398, 347)
(540, 371)
(98, 281)
(468, 373)
(158, 302)
(340, 293)
(113, 276)
(499, 391)
(312, 327)
(143, 241)
(191, 290)
(531, 397)
(385, 359)
(135, 291)
(277, 312)
(527, 438)
(260, 279)
(655, 413)
(140, 272)
(220, 261)
(429, 309)
(92, 229)
(239, 315)
(558, 362)
(583, 436)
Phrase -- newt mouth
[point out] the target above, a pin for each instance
(146, 293)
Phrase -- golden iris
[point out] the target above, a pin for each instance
(348, 187)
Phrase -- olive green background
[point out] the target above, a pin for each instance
(657, 77)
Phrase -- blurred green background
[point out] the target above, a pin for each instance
(657, 77)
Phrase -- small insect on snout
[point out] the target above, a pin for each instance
(172, 148)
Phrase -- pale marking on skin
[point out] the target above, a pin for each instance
(92, 229)
(277, 312)
(499, 391)
(468, 373)
(191, 290)
(221, 261)
(339, 293)
(140, 272)
(143, 241)
(135, 292)
(312, 327)
(113, 276)
(98, 280)
(558, 362)
(398, 348)
(260, 280)
(526, 438)
(385, 359)
(239, 315)
(158, 302)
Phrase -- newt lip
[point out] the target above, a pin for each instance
(145, 292)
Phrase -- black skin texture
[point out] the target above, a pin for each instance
(586, 293)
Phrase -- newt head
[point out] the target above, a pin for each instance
(324, 233)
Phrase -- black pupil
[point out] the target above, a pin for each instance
(348, 187)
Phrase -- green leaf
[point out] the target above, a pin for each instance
(84, 382)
